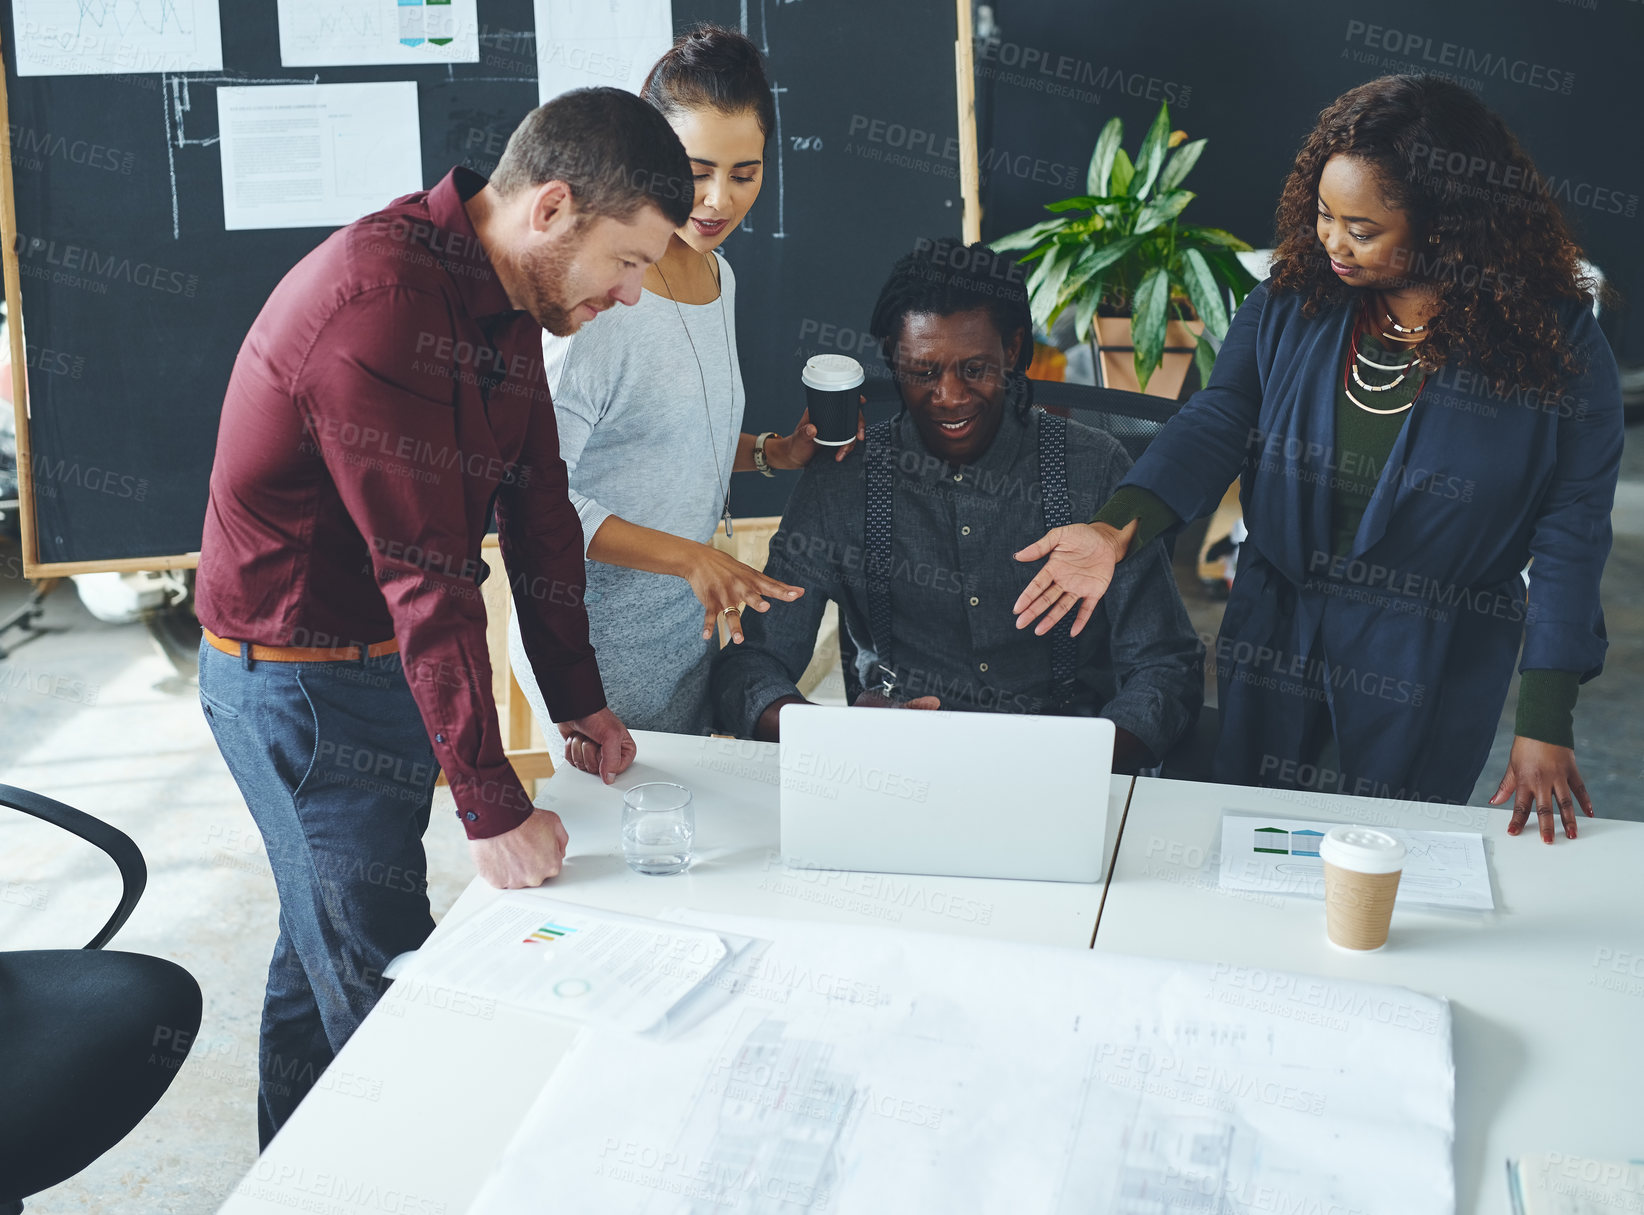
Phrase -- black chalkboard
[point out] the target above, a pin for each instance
(866, 162)
(136, 299)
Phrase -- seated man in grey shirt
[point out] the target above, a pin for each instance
(914, 536)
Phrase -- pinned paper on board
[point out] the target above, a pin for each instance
(1281, 856)
(316, 155)
(116, 37)
(612, 43)
(339, 33)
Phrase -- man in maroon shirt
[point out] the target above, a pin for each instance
(389, 398)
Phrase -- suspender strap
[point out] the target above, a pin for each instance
(1064, 648)
(878, 458)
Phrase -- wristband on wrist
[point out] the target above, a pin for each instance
(760, 463)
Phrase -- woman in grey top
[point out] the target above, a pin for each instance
(649, 403)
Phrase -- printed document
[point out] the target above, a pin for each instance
(336, 33)
(861, 1070)
(316, 155)
(1281, 856)
(567, 960)
(116, 37)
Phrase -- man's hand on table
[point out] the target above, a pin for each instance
(598, 744)
(528, 855)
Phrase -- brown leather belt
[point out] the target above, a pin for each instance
(301, 653)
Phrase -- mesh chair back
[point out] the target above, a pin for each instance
(1132, 418)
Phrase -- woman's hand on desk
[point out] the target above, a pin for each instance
(1546, 776)
(1082, 557)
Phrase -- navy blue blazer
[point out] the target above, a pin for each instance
(1409, 638)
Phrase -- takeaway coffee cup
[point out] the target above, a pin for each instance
(1361, 879)
(831, 382)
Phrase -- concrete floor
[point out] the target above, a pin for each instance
(93, 716)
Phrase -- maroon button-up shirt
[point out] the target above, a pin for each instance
(386, 397)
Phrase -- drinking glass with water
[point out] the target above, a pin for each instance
(658, 824)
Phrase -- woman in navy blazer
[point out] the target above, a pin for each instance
(1420, 405)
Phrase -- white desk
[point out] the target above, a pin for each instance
(423, 1099)
(1547, 992)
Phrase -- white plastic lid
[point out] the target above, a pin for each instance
(831, 372)
(1361, 849)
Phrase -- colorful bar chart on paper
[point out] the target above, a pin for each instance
(411, 22)
(441, 22)
(339, 33)
(548, 933)
(1279, 842)
(1281, 856)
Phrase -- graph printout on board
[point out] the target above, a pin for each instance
(116, 37)
(337, 33)
(614, 42)
(1281, 856)
(859, 1070)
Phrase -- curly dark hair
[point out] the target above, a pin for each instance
(1486, 232)
(943, 276)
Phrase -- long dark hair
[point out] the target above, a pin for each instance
(1486, 232)
(715, 68)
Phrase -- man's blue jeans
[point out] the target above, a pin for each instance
(335, 765)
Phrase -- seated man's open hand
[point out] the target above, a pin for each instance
(873, 699)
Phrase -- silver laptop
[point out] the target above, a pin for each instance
(959, 794)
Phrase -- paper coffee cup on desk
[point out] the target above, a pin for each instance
(1361, 880)
(831, 383)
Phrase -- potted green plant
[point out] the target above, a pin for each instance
(1135, 275)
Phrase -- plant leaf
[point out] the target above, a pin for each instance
(1149, 309)
(1085, 314)
(1204, 358)
(1027, 237)
(1214, 236)
(1101, 160)
(1229, 271)
(1162, 210)
(1180, 164)
(1036, 275)
(1123, 171)
(1045, 295)
(1100, 257)
(1082, 202)
(1205, 292)
(1151, 156)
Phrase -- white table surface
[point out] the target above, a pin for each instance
(424, 1098)
(1547, 991)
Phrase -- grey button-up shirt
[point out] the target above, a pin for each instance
(953, 581)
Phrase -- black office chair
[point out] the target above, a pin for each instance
(1133, 418)
(90, 1038)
